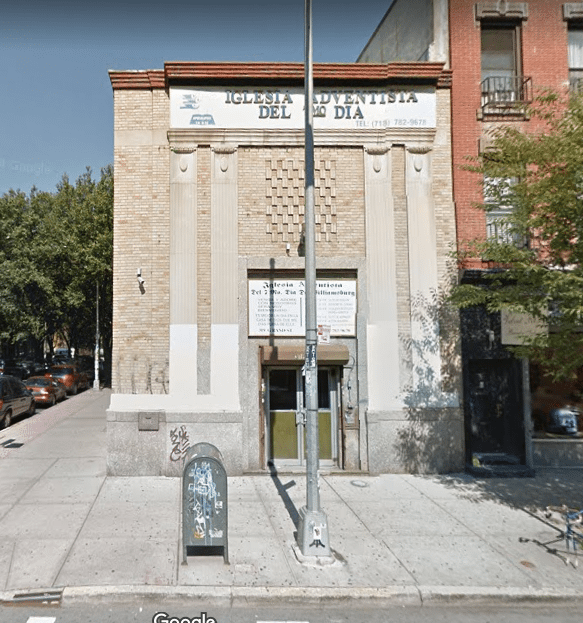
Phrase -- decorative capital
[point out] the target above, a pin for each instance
(183, 149)
(224, 149)
(419, 149)
(376, 150)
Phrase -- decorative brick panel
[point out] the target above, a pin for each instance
(271, 200)
(285, 199)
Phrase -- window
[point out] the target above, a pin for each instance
(575, 55)
(504, 88)
(499, 49)
(499, 227)
(501, 80)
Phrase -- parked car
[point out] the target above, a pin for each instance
(29, 367)
(86, 364)
(69, 376)
(11, 367)
(15, 400)
(46, 390)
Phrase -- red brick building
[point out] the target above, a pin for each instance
(501, 55)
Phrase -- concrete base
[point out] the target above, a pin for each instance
(313, 538)
(427, 442)
(148, 444)
(557, 452)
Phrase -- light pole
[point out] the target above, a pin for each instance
(96, 362)
(313, 524)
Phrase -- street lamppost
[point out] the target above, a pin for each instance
(96, 361)
(313, 524)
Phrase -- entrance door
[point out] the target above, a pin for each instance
(285, 402)
(496, 416)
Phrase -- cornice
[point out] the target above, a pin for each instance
(180, 139)
(204, 72)
(573, 11)
(138, 79)
(186, 72)
(501, 9)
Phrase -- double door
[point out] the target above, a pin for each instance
(285, 406)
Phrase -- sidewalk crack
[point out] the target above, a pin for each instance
(66, 557)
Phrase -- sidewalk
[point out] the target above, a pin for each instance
(69, 528)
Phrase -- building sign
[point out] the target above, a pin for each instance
(518, 328)
(277, 306)
(281, 108)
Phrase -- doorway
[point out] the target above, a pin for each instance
(495, 425)
(284, 406)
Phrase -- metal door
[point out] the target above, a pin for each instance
(496, 415)
(285, 404)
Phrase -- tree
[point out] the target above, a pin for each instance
(27, 293)
(55, 249)
(533, 194)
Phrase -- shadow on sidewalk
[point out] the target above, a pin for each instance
(283, 494)
(549, 487)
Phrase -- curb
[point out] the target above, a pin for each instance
(499, 595)
(240, 596)
(244, 595)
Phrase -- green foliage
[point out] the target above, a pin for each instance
(536, 181)
(55, 248)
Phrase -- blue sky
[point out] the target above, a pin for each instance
(56, 104)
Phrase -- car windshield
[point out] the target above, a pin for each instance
(61, 371)
(39, 381)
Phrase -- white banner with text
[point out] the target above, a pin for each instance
(281, 108)
(277, 306)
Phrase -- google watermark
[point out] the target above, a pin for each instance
(163, 617)
(28, 168)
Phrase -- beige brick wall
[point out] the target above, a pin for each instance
(141, 240)
(270, 216)
(446, 242)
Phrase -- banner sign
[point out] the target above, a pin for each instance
(281, 108)
(278, 306)
(517, 327)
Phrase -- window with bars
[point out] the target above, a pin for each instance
(499, 227)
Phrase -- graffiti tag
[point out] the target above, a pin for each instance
(180, 443)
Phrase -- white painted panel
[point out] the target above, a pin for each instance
(225, 364)
(383, 367)
(426, 387)
(183, 358)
